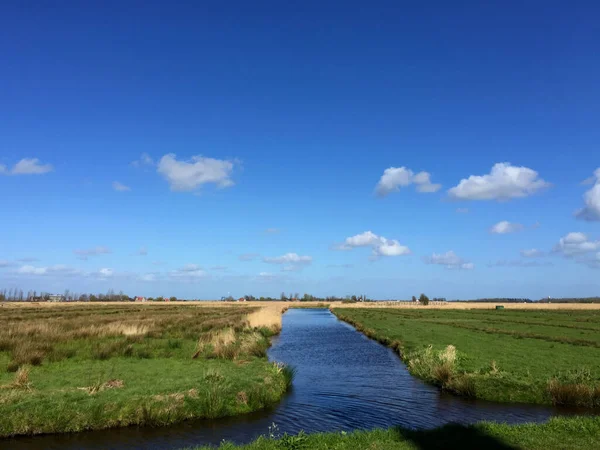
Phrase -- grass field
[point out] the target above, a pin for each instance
(78, 367)
(558, 434)
(533, 356)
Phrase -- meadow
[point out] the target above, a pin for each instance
(75, 367)
(544, 356)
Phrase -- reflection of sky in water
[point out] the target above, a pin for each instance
(344, 381)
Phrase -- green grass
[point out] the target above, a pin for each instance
(558, 433)
(509, 356)
(91, 376)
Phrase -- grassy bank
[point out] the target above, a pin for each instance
(509, 356)
(92, 367)
(558, 433)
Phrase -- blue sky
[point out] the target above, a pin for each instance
(203, 149)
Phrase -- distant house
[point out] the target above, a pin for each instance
(241, 299)
(56, 298)
(140, 299)
(167, 299)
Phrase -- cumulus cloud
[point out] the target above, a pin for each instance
(462, 210)
(591, 210)
(450, 260)
(4, 263)
(120, 187)
(531, 253)
(272, 230)
(380, 245)
(394, 178)
(27, 166)
(145, 160)
(504, 182)
(86, 253)
(190, 175)
(248, 256)
(290, 261)
(506, 227)
(576, 244)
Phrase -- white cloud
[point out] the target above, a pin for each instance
(591, 210)
(504, 182)
(272, 230)
(189, 272)
(120, 187)
(462, 210)
(450, 260)
(32, 270)
(394, 178)
(59, 270)
(192, 174)
(86, 253)
(291, 262)
(381, 246)
(4, 263)
(506, 227)
(148, 277)
(266, 274)
(575, 244)
(27, 166)
(106, 272)
(145, 160)
(531, 253)
(190, 268)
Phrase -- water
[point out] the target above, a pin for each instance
(344, 381)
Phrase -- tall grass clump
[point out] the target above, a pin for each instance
(574, 388)
(21, 380)
(440, 369)
(266, 317)
(288, 372)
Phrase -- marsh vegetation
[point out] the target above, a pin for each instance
(97, 366)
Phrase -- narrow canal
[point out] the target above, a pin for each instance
(344, 381)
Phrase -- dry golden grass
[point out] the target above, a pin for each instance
(267, 317)
(283, 305)
(21, 380)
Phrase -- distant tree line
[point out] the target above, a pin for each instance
(571, 300)
(296, 297)
(497, 300)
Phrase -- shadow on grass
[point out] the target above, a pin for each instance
(454, 436)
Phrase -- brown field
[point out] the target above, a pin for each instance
(284, 305)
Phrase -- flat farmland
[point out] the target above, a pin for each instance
(74, 367)
(522, 355)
